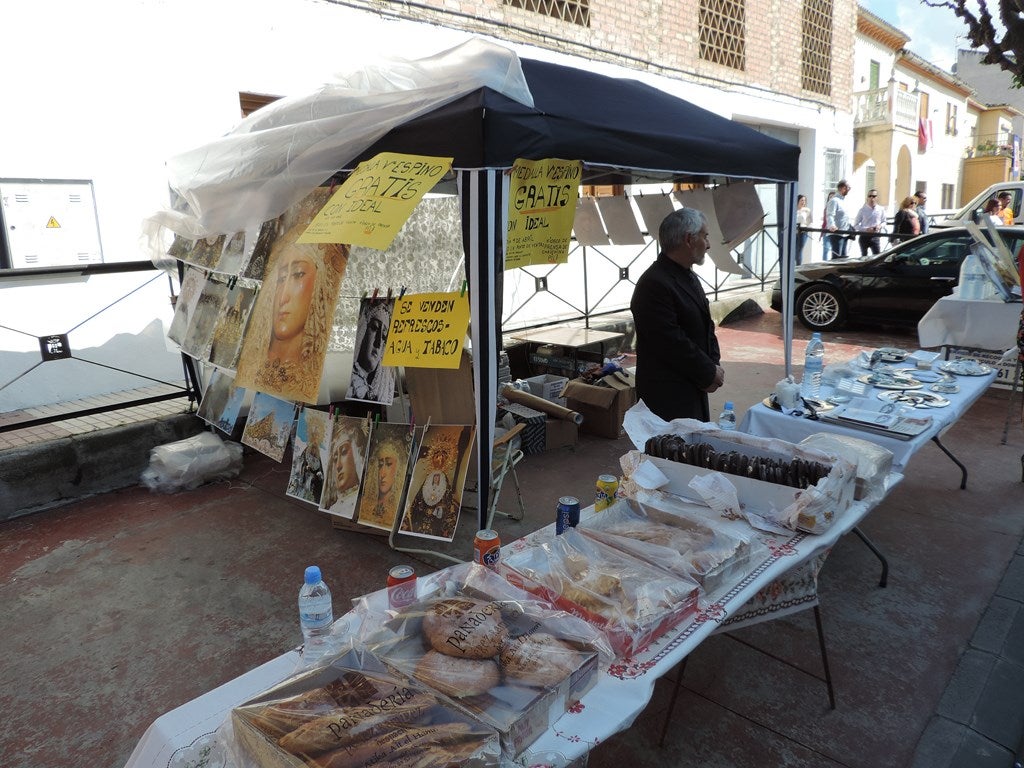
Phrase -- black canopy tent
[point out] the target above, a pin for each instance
(623, 131)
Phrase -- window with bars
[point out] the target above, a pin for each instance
(816, 47)
(951, 110)
(722, 28)
(947, 196)
(834, 168)
(573, 11)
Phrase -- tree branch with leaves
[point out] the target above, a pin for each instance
(1002, 41)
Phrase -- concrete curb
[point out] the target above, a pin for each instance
(55, 472)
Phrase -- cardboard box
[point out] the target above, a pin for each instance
(560, 434)
(602, 406)
(816, 511)
(547, 386)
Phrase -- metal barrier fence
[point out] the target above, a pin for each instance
(608, 275)
(66, 335)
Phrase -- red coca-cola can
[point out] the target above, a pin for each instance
(401, 586)
(487, 548)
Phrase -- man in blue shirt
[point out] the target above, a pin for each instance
(837, 221)
(920, 197)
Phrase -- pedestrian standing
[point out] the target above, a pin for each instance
(677, 353)
(921, 198)
(869, 222)
(838, 220)
(803, 220)
(826, 242)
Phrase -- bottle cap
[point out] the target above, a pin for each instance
(313, 574)
(728, 405)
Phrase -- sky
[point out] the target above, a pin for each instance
(935, 33)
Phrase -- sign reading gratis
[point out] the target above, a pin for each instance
(428, 330)
(541, 209)
(376, 200)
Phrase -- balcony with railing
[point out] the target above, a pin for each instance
(991, 145)
(886, 107)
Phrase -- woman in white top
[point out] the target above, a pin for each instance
(803, 219)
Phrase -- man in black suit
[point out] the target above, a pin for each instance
(677, 351)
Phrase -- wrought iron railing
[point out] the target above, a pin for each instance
(609, 275)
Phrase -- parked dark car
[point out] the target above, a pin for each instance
(897, 287)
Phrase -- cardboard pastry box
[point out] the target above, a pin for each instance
(547, 386)
(602, 406)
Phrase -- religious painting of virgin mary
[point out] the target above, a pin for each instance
(290, 326)
(385, 475)
(350, 436)
(438, 479)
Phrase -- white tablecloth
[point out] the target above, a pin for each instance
(952, 321)
(185, 736)
(767, 422)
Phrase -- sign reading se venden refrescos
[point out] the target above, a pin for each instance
(428, 330)
(541, 208)
(376, 200)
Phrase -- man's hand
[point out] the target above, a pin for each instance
(718, 381)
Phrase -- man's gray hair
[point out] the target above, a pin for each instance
(677, 225)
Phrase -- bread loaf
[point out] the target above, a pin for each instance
(538, 659)
(351, 724)
(464, 628)
(457, 677)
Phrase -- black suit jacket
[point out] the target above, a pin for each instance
(676, 347)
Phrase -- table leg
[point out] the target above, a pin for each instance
(672, 704)
(963, 469)
(1009, 402)
(877, 553)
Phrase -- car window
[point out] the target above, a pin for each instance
(934, 251)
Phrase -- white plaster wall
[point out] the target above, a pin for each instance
(108, 91)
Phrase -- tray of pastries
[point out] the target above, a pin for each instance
(356, 713)
(683, 544)
(502, 654)
(629, 599)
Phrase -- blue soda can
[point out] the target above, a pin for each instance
(567, 514)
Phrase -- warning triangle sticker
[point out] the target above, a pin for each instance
(52, 224)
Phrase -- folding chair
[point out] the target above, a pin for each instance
(504, 458)
(794, 591)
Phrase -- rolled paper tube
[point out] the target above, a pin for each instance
(540, 404)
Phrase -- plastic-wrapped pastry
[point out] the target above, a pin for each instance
(457, 677)
(464, 627)
(538, 659)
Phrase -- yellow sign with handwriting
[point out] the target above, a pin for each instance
(541, 209)
(376, 200)
(427, 331)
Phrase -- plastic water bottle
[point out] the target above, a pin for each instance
(727, 418)
(972, 279)
(316, 614)
(814, 364)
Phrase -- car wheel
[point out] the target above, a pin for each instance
(821, 308)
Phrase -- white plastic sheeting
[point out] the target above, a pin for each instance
(276, 156)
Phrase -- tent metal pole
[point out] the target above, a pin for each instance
(787, 257)
(479, 195)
